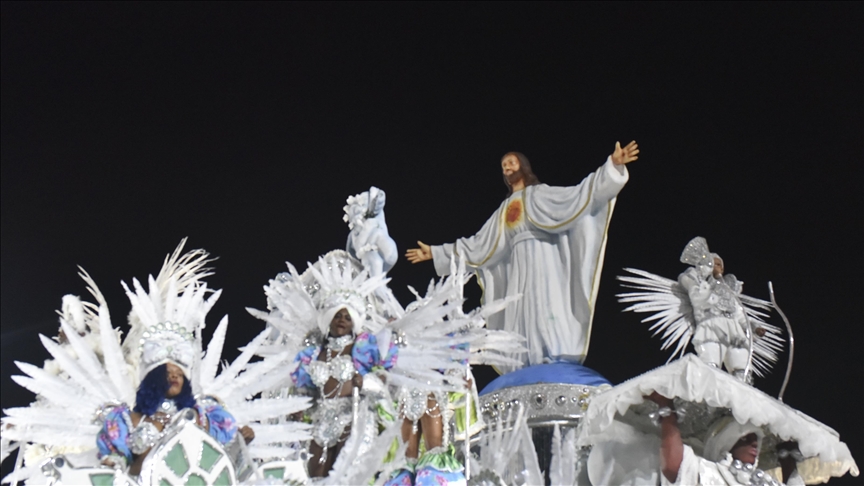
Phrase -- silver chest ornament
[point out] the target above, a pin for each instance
(340, 368)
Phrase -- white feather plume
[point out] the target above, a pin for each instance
(563, 466)
(506, 449)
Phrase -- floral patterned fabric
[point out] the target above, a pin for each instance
(113, 439)
(217, 421)
(300, 376)
(429, 476)
(437, 467)
(403, 478)
(367, 357)
(389, 360)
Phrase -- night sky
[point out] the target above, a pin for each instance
(126, 127)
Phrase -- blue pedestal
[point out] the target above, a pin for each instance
(561, 372)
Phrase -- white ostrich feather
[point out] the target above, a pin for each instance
(89, 362)
(93, 289)
(71, 366)
(54, 388)
(73, 312)
(112, 354)
(72, 436)
(434, 325)
(276, 433)
(506, 449)
(259, 376)
(267, 408)
(21, 475)
(292, 310)
(184, 269)
(267, 452)
(210, 362)
(238, 364)
(55, 416)
(563, 467)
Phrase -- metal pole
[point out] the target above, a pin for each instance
(749, 351)
(791, 342)
(467, 442)
(355, 408)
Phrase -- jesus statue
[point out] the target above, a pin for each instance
(547, 244)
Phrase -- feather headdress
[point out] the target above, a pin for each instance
(340, 287)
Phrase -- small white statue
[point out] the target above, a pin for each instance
(368, 240)
(706, 308)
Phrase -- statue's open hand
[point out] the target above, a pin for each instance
(625, 155)
(417, 255)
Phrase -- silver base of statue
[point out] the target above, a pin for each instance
(546, 405)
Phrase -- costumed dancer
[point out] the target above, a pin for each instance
(546, 244)
(166, 358)
(413, 351)
(730, 456)
(689, 423)
(335, 354)
(431, 421)
(706, 308)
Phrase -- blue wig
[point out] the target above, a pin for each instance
(153, 388)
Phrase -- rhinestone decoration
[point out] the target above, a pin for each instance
(544, 400)
(330, 420)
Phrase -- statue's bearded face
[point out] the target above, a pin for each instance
(511, 168)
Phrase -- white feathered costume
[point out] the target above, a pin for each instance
(95, 371)
(414, 350)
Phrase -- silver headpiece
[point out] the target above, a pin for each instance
(696, 253)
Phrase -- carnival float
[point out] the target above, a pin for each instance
(346, 385)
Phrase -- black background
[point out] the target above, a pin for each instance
(126, 127)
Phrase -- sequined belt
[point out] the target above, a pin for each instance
(330, 419)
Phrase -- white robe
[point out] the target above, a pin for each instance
(547, 244)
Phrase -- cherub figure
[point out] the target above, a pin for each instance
(369, 240)
(706, 308)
